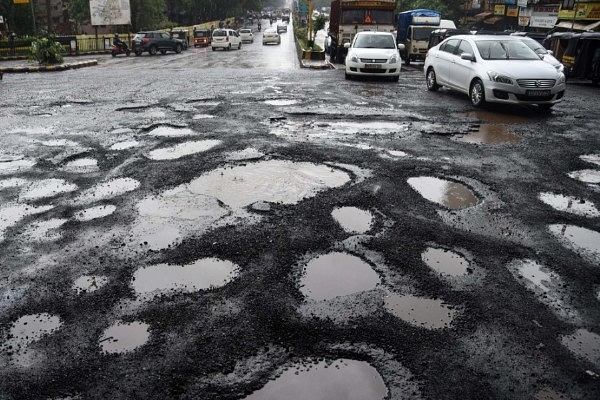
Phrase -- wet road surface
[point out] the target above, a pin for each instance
(225, 225)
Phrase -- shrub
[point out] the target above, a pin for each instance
(46, 51)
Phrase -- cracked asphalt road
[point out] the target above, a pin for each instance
(181, 227)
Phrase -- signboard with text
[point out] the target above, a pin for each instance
(110, 12)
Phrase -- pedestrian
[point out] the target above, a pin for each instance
(11, 42)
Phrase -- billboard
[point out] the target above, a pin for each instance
(110, 12)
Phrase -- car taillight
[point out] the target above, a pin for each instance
(145, 40)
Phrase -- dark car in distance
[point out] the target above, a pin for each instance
(155, 41)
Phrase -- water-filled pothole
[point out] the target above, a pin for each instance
(31, 328)
(452, 195)
(82, 165)
(47, 230)
(46, 188)
(12, 213)
(445, 261)
(182, 149)
(281, 102)
(169, 131)
(584, 344)
(352, 219)
(12, 183)
(123, 337)
(89, 283)
(341, 379)
(202, 274)
(336, 274)
(495, 117)
(591, 158)
(16, 165)
(586, 175)
(273, 180)
(570, 204)
(107, 190)
(491, 134)
(580, 239)
(420, 311)
(128, 144)
(94, 212)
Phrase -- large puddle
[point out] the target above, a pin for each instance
(336, 274)
(168, 131)
(445, 261)
(46, 188)
(342, 379)
(452, 195)
(579, 239)
(202, 274)
(352, 219)
(584, 344)
(31, 328)
(586, 175)
(420, 311)
(570, 204)
(124, 337)
(182, 149)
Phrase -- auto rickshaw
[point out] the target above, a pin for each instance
(202, 37)
(582, 57)
(558, 42)
(181, 34)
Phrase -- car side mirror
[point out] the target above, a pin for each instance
(467, 56)
(401, 46)
(347, 45)
(550, 52)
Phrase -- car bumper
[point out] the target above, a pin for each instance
(270, 40)
(385, 69)
(517, 95)
(220, 44)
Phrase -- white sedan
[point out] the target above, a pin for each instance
(373, 54)
(270, 35)
(493, 68)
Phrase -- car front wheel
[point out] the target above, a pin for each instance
(152, 50)
(432, 80)
(240, 45)
(178, 48)
(477, 93)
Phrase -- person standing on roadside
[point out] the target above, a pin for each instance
(11, 42)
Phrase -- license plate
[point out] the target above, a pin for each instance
(534, 93)
(372, 66)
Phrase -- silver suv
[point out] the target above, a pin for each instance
(226, 39)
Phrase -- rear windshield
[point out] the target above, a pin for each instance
(245, 31)
(220, 33)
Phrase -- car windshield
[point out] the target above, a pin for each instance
(505, 50)
(245, 31)
(139, 36)
(220, 33)
(535, 46)
(374, 42)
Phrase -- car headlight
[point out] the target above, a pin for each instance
(394, 60)
(496, 77)
(354, 58)
(560, 68)
(561, 79)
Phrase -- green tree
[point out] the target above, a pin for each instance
(318, 24)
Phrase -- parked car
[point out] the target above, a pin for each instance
(281, 27)
(226, 39)
(270, 35)
(246, 35)
(155, 41)
(542, 52)
(373, 54)
(493, 68)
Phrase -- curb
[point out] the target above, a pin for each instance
(322, 65)
(49, 68)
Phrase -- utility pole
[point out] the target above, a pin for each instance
(310, 24)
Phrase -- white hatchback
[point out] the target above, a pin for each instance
(226, 39)
(493, 68)
(246, 35)
(373, 54)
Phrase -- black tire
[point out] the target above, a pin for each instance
(240, 46)
(113, 53)
(229, 47)
(407, 60)
(214, 48)
(178, 48)
(152, 50)
(138, 52)
(431, 80)
(128, 52)
(347, 76)
(477, 93)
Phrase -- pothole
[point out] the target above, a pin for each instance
(584, 344)
(124, 337)
(107, 190)
(452, 195)
(249, 153)
(31, 328)
(352, 219)
(420, 311)
(7, 167)
(45, 230)
(169, 131)
(202, 116)
(12, 183)
(445, 262)
(128, 144)
(495, 117)
(183, 149)
(46, 188)
(202, 274)
(570, 204)
(281, 102)
(591, 158)
(89, 283)
(341, 379)
(94, 212)
(582, 240)
(489, 134)
(82, 165)
(336, 274)
(12, 213)
(586, 175)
